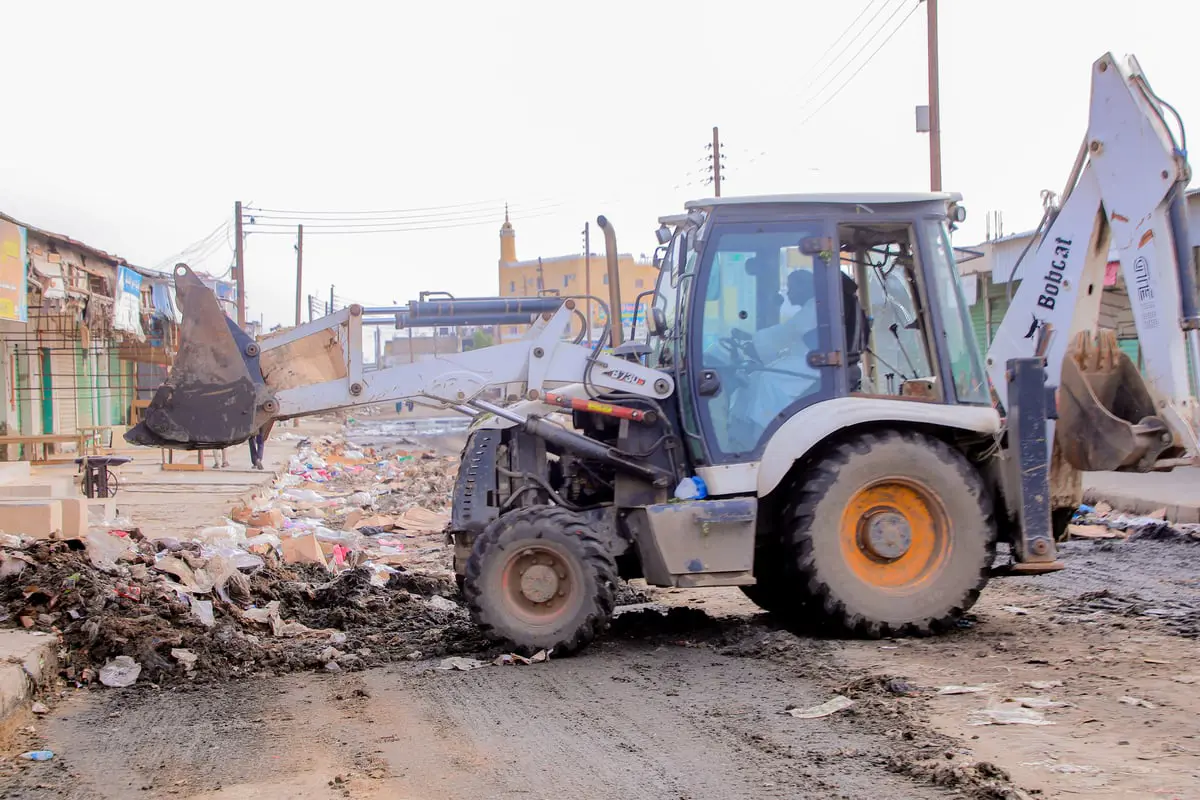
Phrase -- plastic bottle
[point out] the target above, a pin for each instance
(38, 755)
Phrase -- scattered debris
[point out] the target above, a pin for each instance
(1020, 612)
(38, 755)
(1043, 685)
(1137, 701)
(508, 659)
(460, 663)
(439, 603)
(121, 671)
(1039, 702)
(185, 657)
(39, 707)
(264, 592)
(964, 689)
(831, 706)
(1007, 714)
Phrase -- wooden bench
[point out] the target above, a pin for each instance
(41, 441)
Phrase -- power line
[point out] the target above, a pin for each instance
(195, 246)
(367, 222)
(444, 215)
(390, 212)
(407, 229)
(849, 27)
(898, 8)
(847, 82)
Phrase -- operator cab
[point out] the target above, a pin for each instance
(752, 290)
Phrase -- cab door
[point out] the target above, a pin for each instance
(760, 324)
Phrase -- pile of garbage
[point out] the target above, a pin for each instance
(1101, 521)
(352, 575)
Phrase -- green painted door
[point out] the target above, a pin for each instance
(47, 393)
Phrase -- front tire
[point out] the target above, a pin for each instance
(541, 578)
(891, 534)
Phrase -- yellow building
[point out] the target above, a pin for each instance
(567, 276)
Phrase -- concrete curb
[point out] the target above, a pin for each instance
(1176, 512)
(28, 662)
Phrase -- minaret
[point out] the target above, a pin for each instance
(508, 240)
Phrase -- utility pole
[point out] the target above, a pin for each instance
(935, 114)
(239, 265)
(299, 267)
(330, 311)
(716, 162)
(540, 283)
(587, 272)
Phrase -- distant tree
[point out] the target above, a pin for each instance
(482, 339)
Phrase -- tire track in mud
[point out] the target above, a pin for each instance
(636, 721)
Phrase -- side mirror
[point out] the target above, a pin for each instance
(657, 324)
(683, 243)
(663, 234)
(660, 253)
(816, 245)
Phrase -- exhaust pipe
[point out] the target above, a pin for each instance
(614, 281)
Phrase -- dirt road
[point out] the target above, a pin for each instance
(689, 705)
(687, 699)
(673, 713)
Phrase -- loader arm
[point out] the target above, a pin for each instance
(1124, 191)
(223, 387)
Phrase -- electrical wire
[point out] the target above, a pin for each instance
(327, 220)
(845, 50)
(391, 211)
(272, 222)
(392, 229)
(870, 58)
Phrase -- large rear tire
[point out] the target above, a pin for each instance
(540, 578)
(890, 534)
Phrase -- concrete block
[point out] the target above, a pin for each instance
(43, 487)
(28, 662)
(100, 509)
(74, 517)
(14, 472)
(40, 519)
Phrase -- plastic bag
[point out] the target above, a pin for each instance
(203, 609)
(360, 499)
(121, 671)
(105, 550)
(231, 534)
(303, 496)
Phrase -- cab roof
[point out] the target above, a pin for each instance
(828, 198)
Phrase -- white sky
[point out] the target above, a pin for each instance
(135, 126)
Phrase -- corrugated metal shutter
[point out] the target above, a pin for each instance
(979, 322)
(999, 295)
(84, 392)
(62, 369)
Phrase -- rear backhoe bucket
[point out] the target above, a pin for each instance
(212, 397)
(1106, 416)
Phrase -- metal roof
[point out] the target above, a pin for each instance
(836, 198)
(86, 249)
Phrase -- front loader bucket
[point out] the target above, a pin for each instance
(1106, 416)
(211, 397)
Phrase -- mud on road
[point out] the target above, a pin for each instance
(669, 706)
(690, 704)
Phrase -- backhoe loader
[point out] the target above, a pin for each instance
(806, 415)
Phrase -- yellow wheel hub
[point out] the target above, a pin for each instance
(895, 534)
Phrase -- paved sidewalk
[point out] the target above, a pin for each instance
(1141, 493)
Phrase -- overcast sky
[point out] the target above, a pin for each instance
(135, 126)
